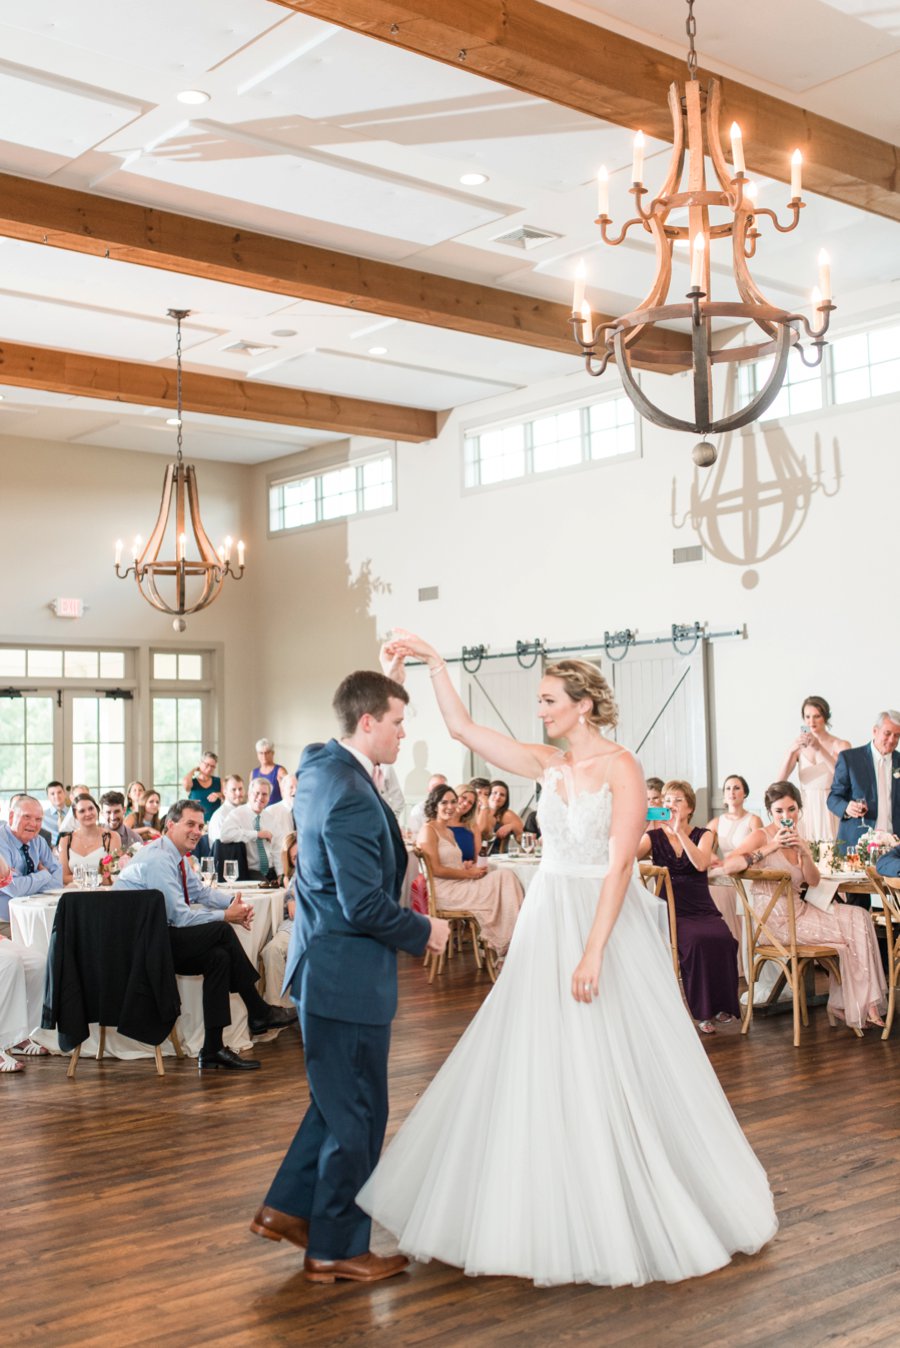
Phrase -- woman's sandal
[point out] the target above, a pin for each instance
(725, 1017)
(706, 1027)
(29, 1049)
(8, 1064)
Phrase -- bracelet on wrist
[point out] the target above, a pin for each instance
(436, 669)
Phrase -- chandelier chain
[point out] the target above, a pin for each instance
(178, 381)
(691, 29)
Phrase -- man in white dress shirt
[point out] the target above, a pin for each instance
(278, 820)
(245, 825)
(233, 791)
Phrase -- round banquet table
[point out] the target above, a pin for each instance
(523, 868)
(31, 922)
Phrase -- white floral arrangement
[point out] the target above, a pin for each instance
(874, 843)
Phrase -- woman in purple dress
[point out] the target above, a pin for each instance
(707, 951)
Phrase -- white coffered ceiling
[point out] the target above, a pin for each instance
(320, 135)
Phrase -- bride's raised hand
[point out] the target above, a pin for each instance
(586, 978)
(392, 662)
(411, 645)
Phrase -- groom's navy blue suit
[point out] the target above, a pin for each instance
(342, 974)
(854, 779)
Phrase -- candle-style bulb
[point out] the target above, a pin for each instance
(240, 552)
(221, 554)
(737, 149)
(182, 546)
(602, 191)
(578, 291)
(118, 551)
(796, 174)
(228, 542)
(698, 254)
(825, 276)
(587, 323)
(136, 548)
(637, 163)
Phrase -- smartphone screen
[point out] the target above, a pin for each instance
(658, 812)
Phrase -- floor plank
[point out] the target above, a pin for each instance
(126, 1199)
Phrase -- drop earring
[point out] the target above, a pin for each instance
(581, 719)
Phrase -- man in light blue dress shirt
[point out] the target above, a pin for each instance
(55, 811)
(30, 858)
(201, 932)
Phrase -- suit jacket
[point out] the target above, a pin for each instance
(342, 960)
(889, 864)
(854, 779)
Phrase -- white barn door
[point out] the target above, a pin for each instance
(503, 695)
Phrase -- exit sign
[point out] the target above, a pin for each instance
(68, 608)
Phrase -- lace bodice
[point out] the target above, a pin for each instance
(574, 828)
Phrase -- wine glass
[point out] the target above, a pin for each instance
(207, 871)
(79, 874)
(92, 879)
(230, 872)
(528, 841)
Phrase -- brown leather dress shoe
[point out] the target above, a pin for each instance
(366, 1267)
(275, 1225)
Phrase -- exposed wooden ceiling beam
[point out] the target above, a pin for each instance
(567, 60)
(85, 223)
(126, 381)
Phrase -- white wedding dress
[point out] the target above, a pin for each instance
(571, 1143)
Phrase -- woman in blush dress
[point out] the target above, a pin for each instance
(731, 828)
(495, 897)
(860, 997)
(577, 1132)
(89, 843)
(707, 951)
(814, 754)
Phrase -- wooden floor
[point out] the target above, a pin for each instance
(126, 1199)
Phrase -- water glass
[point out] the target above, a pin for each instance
(230, 872)
(207, 871)
(528, 841)
(79, 874)
(92, 879)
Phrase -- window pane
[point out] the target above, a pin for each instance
(12, 720)
(12, 768)
(850, 353)
(12, 663)
(112, 767)
(39, 767)
(338, 493)
(39, 719)
(165, 665)
(164, 722)
(885, 378)
(850, 387)
(884, 344)
(502, 454)
(189, 719)
(806, 397)
(45, 664)
(112, 664)
(165, 763)
(189, 752)
(84, 720)
(378, 488)
(84, 764)
(562, 454)
(81, 664)
(190, 666)
(111, 712)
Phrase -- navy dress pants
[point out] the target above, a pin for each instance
(338, 1143)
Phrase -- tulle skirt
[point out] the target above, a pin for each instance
(568, 1143)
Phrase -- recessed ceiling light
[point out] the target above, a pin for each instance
(192, 96)
(473, 179)
(284, 332)
(378, 350)
(172, 421)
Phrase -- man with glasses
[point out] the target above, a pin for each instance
(28, 856)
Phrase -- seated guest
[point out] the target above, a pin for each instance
(859, 997)
(889, 864)
(21, 996)
(77, 789)
(417, 813)
(707, 951)
(134, 797)
(274, 953)
(88, 844)
(654, 799)
(55, 810)
(268, 769)
(495, 897)
(203, 786)
(112, 815)
(464, 829)
(28, 856)
(504, 822)
(203, 940)
(245, 825)
(279, 819)
(482, 788)
(144, 819)
(731, 828)
(233, 791)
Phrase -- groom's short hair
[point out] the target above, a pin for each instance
(365, 692)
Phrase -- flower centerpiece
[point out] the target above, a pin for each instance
(108, 867)
(873, 844)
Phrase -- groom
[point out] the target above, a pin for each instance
(342, 974)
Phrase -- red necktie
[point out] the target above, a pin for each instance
(184, 881)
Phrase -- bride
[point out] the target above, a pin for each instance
(577, 1132)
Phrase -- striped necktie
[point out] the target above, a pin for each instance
(262, 854)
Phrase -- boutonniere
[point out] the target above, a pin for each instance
(897, 772)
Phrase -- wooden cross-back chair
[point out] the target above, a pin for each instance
(888, 920)
(792, 957)
(659, 882)
(461, 921)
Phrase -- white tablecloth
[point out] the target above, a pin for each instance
(523, 868)
(31, 922)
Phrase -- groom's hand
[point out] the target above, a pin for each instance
(392, 663)
(440, 934)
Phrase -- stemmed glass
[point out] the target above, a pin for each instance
(207, 871)
(230, 872)
(528, 841)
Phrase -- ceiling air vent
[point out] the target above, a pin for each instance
(526, 237)
(694, 554)
(249, 348)
(428, 592)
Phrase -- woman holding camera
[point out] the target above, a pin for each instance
(814, 753)
(859, 998)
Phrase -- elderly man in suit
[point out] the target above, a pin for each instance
(865, 790)
(342, 974)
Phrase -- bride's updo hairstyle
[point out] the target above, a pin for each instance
(582, 679)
